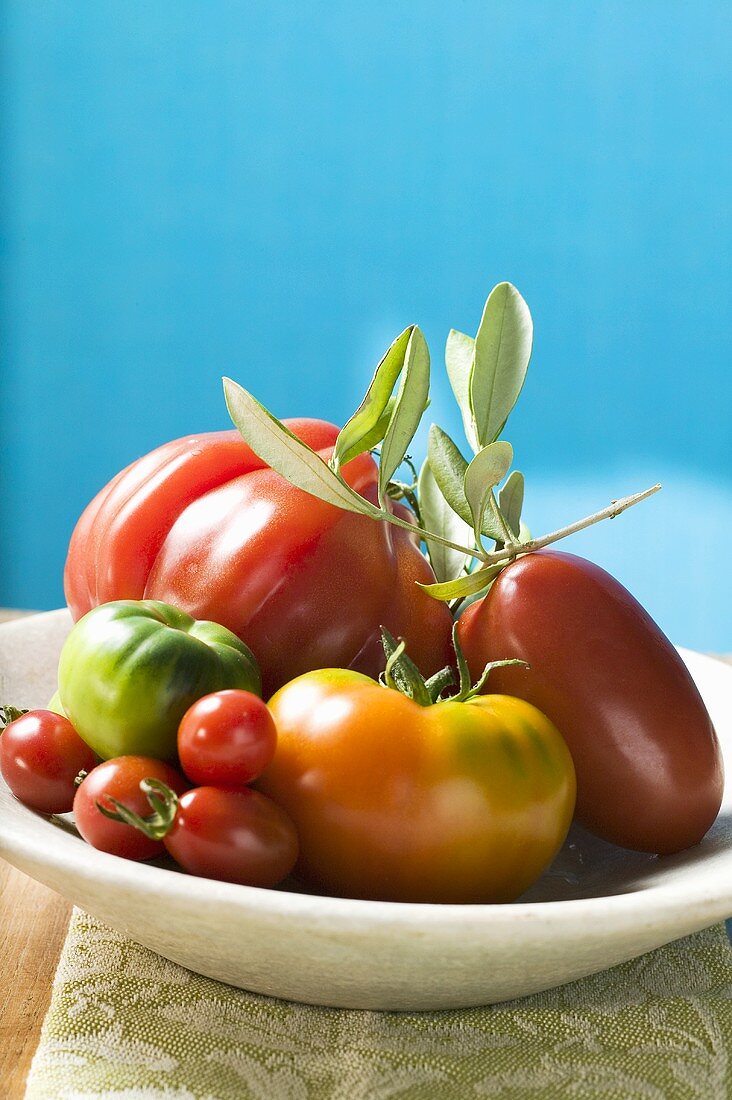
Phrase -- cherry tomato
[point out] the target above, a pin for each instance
(120, 778)
(649, 766)
(235, 836)
(455, 802)
(41, 754)
(203, 524)
(226, 739)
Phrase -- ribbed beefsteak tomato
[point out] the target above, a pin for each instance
(203, 524)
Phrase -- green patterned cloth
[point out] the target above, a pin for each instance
(125, 1024)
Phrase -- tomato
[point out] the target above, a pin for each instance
(226, 739)
(235, 836)
(649, 767)
(129, 670)
(205, 525)
(41, 754)
(120, 779)
(454, 802)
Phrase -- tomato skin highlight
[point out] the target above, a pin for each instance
(233, 836)
(120, 778)
(226, 739)
(453, 803)
(41, 754)
(649, 767)
(205, 525)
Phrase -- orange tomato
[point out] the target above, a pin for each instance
(392, 800)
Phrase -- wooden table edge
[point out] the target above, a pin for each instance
(33, 925)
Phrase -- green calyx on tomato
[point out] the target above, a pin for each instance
(163, 804)
(235, 836)
(129, 670)
(402, 674)
(8, 714)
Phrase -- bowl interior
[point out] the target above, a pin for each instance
(585, 868)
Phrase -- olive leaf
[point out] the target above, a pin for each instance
(367, 442)
(411, 401)
(289, 456)
(487, 469)
(502, 353)
(511, 501)
(437, 516)
(448, 466)
(367, 427)
(468, 585)
(459, 355)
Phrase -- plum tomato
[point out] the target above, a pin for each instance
(235, 836)
(226, 739)
(41, 754)
(649, 766)
(120, 779)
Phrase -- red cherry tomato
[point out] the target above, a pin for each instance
(41, 754)
(120, 778)
(226, 739)
(235, 836)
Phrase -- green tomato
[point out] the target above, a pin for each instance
(129, 670)
(54, 704)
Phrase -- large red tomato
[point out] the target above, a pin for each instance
(649, 766)
(202, 523)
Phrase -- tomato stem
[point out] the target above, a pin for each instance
(8, 714)
(401, 673)
(467, 689)
(163, 803)
(437, 683)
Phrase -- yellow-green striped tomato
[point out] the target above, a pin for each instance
(393, 800)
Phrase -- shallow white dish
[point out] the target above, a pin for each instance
(598, 905)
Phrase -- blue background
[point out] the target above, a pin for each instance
(274, 191)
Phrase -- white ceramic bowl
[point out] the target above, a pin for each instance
(597, 905)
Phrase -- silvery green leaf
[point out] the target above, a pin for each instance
(448, 468)
(511, 501)
(487, 469)
(459, 354)
(438, 516)
(411, 402)
(502, 353)
(372, 438)
(364, 429)
(289, 456)
(468, 585)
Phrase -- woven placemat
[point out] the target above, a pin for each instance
(125, 1024)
